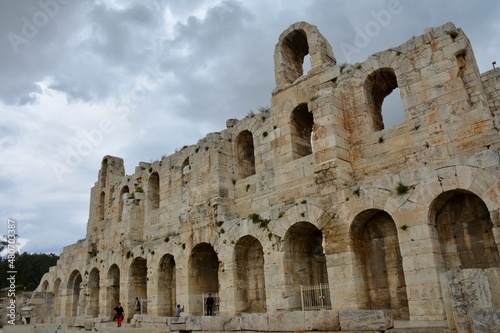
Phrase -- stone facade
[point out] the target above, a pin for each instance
(312, 191)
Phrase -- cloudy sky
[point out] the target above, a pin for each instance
(140, 79)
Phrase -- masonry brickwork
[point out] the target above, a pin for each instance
(312, 191)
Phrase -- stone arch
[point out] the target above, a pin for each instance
(203, 272)
(299, 40)
(45, 286)
(245, 154)
(250, 292)
(301, 122)
(124, 190)
(137, 285)
(304, 260)
(378, 259)
(93, 291)
(73, 293)
(57, 297)
(154, 190)
(465, 231)
(113, 288)
(166, 286)
(378, 85)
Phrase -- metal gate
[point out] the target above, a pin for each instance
(215, 307)
(315, 297)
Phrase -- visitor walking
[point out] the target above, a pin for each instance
(119, 315)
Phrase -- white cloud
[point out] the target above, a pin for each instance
(141, 79)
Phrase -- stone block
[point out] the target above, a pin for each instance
(486, 320)
(286, 321)
(18, 329)
(365, 320)
(193, 323)
(253, 321)
(323, 320)
(220, 323)
(469, 289)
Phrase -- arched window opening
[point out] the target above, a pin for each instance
(166, 286)
(392, 109)
(245, 154)
(102, 203)
(250, 292)
(154, 190)
(379, 262)
(465, 231)
(295, 48)
(124, 190)
(304, 261)
(203, 277)
(306, 66)
(379, 85)
(185, 166)
(111, 195)
(302, 123)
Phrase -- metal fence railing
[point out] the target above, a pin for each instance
(315, 297)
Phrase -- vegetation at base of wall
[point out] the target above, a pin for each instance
(139, 189)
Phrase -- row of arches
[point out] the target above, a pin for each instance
(460, 219)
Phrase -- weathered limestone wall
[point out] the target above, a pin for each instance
(313, 191)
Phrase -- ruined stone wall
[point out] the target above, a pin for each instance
(313, 191)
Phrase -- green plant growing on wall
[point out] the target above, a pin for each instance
(381, 140)
(264, 134)
(303, 202)
(219, 223)
(247, 187)
(281, 214)
(402, 189)
(404, 227)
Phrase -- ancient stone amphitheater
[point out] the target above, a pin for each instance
(309, 215)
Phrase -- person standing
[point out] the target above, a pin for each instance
(209, 303)
(119, 315)
(137, 306)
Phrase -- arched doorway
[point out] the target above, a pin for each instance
(57, 297)
(166, 286)
(250, 292)
(465, 231)
(203, 276)
(113, 289)
(138, 283)
(376, 244)
(73, 292)
(304, 261)
(93, 288)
